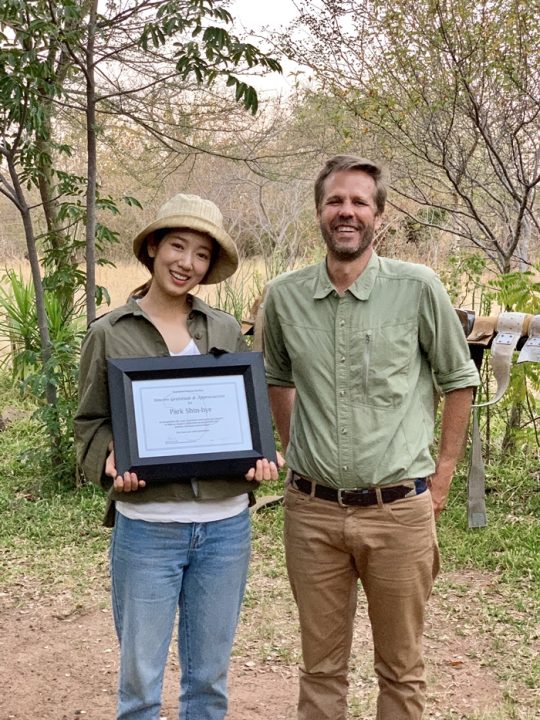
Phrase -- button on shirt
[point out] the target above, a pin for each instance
(364, 366)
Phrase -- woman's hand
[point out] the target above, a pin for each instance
(265, 470)
(128, 482)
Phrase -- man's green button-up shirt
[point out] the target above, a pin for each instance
(364, 366)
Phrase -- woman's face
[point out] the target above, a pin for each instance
(181, 260)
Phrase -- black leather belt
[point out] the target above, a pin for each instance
(362, 497)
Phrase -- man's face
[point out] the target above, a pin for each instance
(348, 214)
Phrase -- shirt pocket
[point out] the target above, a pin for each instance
(380, 363)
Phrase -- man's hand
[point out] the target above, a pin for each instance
(439, 485)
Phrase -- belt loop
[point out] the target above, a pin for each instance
(313, 489)
(378, 494)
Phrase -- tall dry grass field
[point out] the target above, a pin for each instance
(126, 275)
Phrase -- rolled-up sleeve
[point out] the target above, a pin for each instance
(443, 341)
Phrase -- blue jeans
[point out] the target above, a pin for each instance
(155, 568)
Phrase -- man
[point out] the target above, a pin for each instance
(353, 346)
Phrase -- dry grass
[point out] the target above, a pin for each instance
(126, 275)
(119, 280)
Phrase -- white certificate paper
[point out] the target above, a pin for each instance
(188, 416)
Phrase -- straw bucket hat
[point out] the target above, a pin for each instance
(194, 213)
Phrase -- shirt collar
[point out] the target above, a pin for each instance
(361, 287)
(132, 307)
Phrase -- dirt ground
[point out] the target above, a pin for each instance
(58, 661)
(56, 667)
(65, 669)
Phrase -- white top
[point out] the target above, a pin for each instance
(185, 511)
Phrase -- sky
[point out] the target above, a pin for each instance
(257, 13)
(273, 14)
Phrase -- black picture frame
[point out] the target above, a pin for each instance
(182, 467)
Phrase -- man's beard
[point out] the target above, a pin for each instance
(349, 253)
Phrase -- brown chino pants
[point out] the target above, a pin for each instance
(392, 549)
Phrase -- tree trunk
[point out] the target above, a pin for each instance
(524, 245)
(43, 325)
(91, 145)
(508, 445)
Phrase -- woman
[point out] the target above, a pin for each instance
(183, 544)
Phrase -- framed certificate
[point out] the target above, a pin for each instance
(179, 418)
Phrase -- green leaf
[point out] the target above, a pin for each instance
(240, 90)
(131, 201)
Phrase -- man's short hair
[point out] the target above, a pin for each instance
(340, 163)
